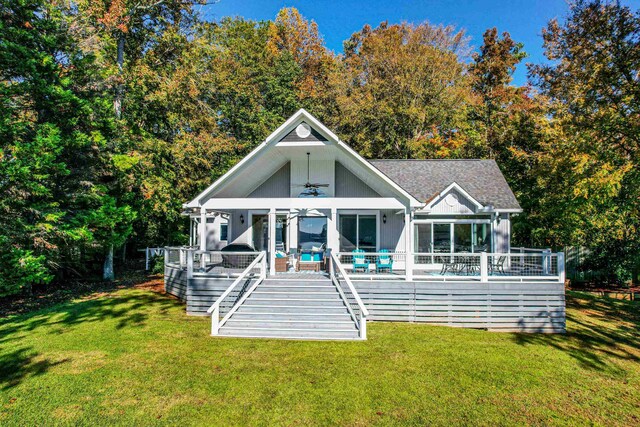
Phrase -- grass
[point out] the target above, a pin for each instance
(132, 357)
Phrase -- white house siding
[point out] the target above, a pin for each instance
(349, 185)
(461, 206)
(391, 233)
(213, 233)
(276, 186)
(238, 232)
(502, 233)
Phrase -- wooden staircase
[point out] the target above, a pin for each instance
(310, 309)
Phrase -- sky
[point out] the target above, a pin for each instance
(338, 19)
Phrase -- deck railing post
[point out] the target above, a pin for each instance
(182, 255)
(561, 271)
(263, 265)
(484, 267)
(166, 257)
(189, 263)
(363, 327)
(546, 260)
(215, 321)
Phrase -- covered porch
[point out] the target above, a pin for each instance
(292, 228)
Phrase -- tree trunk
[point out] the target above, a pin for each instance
(107, 271)
(117, 102)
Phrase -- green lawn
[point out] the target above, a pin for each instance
(133, 357)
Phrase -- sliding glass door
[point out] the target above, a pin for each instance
(358, 232)
(312, 233)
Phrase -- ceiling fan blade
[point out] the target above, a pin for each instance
(318, 185)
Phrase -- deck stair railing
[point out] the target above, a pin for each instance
(343, 284)
(233, 297)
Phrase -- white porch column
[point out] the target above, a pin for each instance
(408, 234)
(203, 229)
(333, 238)
(272, 241)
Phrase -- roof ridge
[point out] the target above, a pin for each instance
(430, 160)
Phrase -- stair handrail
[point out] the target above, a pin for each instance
(364, 313)
(214, 310)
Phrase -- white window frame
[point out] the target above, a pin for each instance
(358, 213)
(451, 223)
(224, 222)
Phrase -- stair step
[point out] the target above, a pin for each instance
(247, 307)
(304, 294)
(319, 334)
(316, 302)
(235, 323)
(299, 315)
(297, 288)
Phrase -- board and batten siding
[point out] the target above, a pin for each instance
(349, 185)
(320, 170)
(392, 233)
(276, 186)
(213, 233)
(502, 234)
(453, 202)
(239, 232)
(500, 306)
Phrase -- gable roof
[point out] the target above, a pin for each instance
(320, 133)
(425, 179)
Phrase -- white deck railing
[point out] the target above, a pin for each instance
(350, 296)
(521, 266)
(244, 278)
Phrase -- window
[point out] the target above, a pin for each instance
(441, 237)
(224, 231)
(422, 237)
(452, 237)
(462, 241)
(312, 232)
(358, 232)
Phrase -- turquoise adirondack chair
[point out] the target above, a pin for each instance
(359, 260)
(384, 261)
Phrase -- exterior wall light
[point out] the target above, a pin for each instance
(384, 218)
(241, 219)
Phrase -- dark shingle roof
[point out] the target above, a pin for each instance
(424, 179)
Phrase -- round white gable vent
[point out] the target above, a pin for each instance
(451, 199)
(303, 130)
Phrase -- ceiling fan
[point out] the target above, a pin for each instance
(311, 189)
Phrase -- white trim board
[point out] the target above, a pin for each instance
(372, 203)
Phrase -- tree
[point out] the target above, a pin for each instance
(492, 70)
(54, 157)
(401, 91)
(593, 82)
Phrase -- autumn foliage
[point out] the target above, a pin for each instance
(114, 112)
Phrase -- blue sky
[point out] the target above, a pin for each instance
(338, 19)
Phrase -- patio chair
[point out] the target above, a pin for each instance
(359, 260)
(498, 266)
(384, 261)
(471, 264)
(449, 265)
